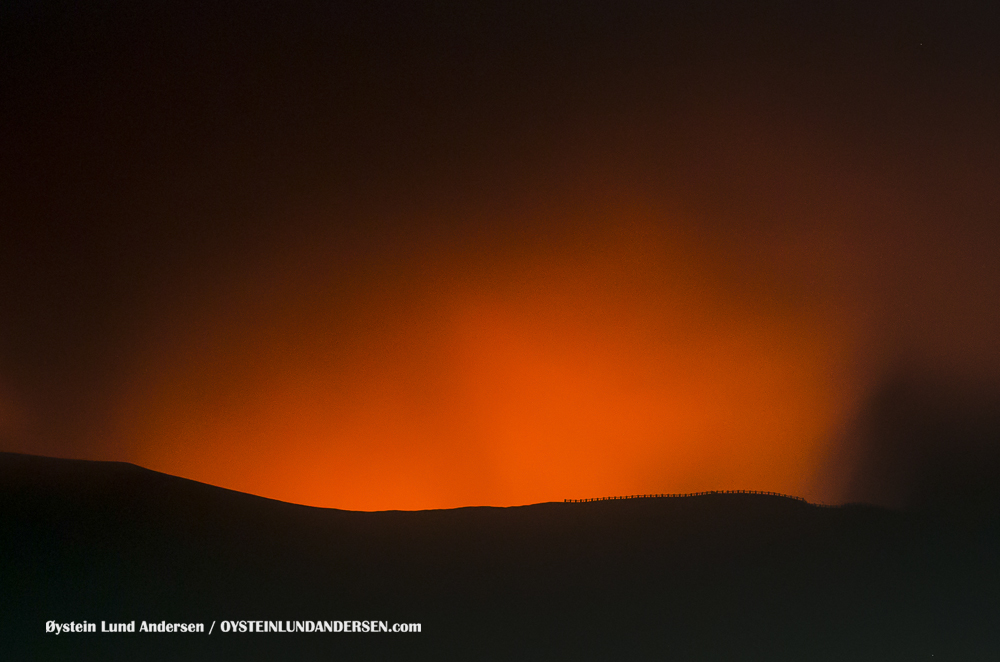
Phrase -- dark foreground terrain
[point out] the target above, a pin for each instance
(715, 577)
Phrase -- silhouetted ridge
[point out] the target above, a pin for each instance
(737, 576)
(686, 494)
(34, 473)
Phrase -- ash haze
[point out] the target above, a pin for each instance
(421, 255)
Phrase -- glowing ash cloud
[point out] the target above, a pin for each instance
(618, 356)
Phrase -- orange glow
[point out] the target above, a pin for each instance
(619, 357)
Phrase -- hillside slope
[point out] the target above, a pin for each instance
(715, 577)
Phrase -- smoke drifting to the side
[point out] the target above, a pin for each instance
(925, 439)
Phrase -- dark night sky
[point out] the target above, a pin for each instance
(377, 254)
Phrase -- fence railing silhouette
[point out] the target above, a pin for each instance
(685, 494)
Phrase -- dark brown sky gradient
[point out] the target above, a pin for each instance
(403, 255)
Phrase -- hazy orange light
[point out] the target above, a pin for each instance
(501, 377)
